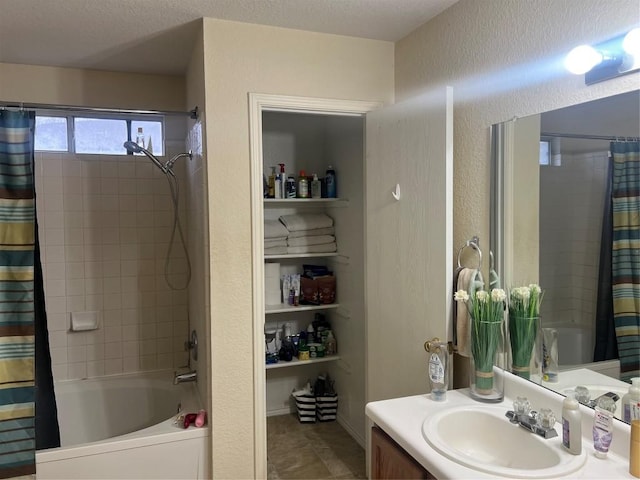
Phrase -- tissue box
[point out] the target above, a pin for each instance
(318, 290)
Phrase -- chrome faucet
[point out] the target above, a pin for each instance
(541, 424)
(184, 377)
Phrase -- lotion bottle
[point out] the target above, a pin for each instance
(571, 424)
(634, 449)
(632, 397)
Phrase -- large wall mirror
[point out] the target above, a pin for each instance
(550, 224)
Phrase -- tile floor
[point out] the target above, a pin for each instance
(317, 451)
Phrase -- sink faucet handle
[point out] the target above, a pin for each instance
(546, 418)
(521, 406)
(583, 395)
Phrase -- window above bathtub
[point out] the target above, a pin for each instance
(96, 135)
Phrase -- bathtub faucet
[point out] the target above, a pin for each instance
(184, 377)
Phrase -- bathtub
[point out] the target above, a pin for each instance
(123, 427)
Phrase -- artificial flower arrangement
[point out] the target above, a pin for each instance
(524, 326)
(487, 314)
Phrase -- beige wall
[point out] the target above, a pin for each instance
(90, 88)
(242, 58)
(197, 208)
(503, 58)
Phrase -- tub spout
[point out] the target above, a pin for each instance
(185, 377)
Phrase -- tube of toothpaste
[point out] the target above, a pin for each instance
(602, 431)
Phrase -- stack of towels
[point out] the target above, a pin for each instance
(309, 233)
(275, 238)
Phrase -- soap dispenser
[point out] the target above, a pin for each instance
(438, 371)
(571, 424)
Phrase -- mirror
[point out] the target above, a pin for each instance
(547, 224)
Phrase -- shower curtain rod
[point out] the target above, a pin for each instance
(590, 137)
(193, 114)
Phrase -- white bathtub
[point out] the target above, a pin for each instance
(123, 427)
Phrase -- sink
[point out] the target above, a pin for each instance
(482, 438)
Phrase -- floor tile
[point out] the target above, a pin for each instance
(318, 451)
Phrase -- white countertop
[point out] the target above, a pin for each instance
(402, 419)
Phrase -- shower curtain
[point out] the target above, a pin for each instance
(625, 255)
(17, 309)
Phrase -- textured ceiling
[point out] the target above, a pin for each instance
(156, 36)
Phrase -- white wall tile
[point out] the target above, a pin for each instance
(104, 226)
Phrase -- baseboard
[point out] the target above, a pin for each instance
(344, 424)
(281, 411)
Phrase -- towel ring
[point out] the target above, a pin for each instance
(474, 246)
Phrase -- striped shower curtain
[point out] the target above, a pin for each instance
(17, 237)
(626, 255)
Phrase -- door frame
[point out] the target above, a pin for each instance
(259, 103)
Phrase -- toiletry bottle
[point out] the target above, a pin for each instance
(571, 424)
(311, 338)
(602, 431)
(282, 180)
(140, 137)
(291, 188)
(271, 192)
(303, 185)
(330, 180)
(438, 374)
(316, 187)
(331, 346)
(632, 397)
(634, 449)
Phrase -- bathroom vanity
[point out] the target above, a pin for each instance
(416, 437)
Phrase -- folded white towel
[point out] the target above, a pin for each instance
(306, 221)
(275, 243)
(275, 250)
(274, 229)
(314, 232)
(315, 240)
(324, 248)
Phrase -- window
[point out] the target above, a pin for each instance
(96, 135)
(545, 152)
(51, 134)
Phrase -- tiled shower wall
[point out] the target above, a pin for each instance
(572, 202)
(105, 224)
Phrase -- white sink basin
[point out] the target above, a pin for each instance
(482, 438)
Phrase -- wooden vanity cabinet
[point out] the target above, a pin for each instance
(390, 461)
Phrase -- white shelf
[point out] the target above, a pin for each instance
(284, 308)
(298, 202)
(301, 255)
(296, 363)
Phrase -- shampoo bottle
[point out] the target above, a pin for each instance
(571, 424)
(632, 397)
(271, 186)
(303, 185)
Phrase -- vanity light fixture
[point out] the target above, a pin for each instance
(609, 59)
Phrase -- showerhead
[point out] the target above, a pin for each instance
(133, 147)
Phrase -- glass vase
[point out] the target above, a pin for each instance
(525, 341)
(487, 347)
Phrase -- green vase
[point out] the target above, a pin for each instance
(523, 334)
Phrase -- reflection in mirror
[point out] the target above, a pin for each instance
(552, 224)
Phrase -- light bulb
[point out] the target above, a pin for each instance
(631, 42)
(582, 59)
